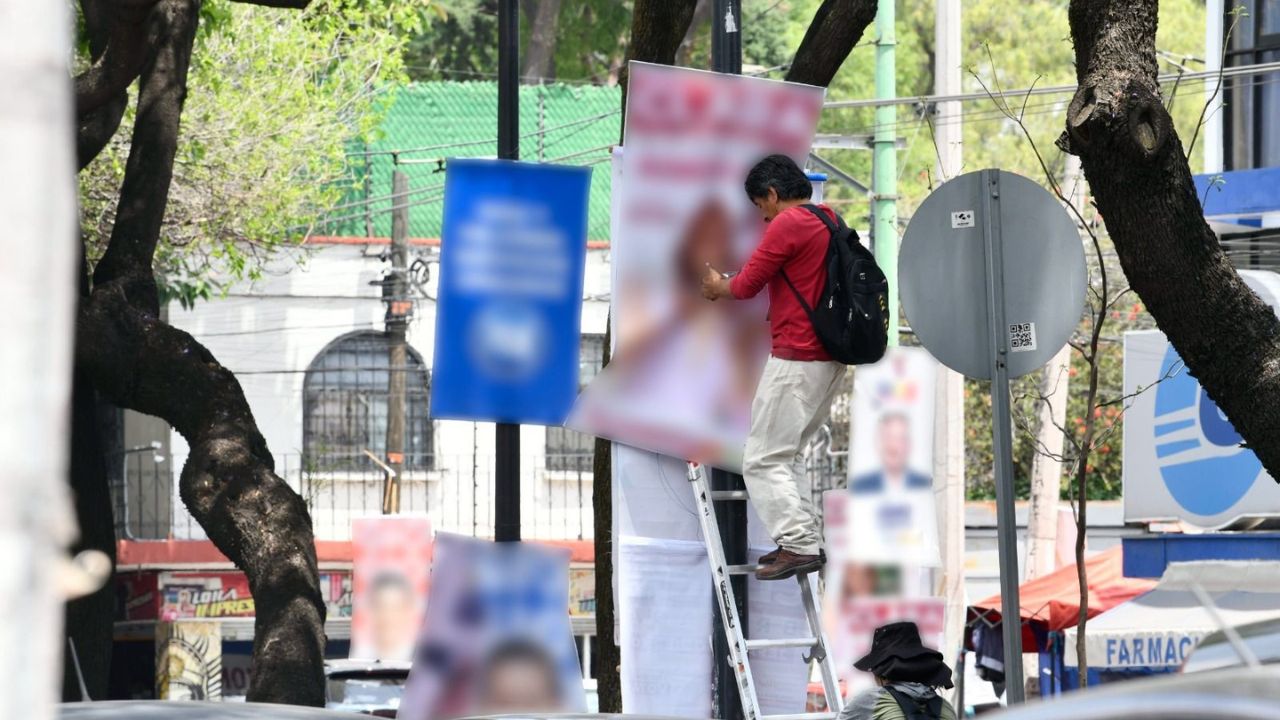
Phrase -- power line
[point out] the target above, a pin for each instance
(1255, 69)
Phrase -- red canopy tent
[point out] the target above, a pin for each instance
(1053, 601)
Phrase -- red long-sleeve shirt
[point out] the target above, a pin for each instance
(794, 241)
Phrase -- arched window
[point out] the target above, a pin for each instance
(344, 406)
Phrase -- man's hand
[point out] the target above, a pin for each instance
(714, 284)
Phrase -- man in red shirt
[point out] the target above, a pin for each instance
(800, 379)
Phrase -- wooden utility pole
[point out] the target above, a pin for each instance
(399, 307)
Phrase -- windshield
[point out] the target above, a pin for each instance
(374, 691)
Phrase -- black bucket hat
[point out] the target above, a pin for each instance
(898, 655)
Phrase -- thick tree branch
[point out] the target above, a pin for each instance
(228, 484)
(95, 130)
(1227, 336)
(657, 29)
(836, 28)
(144, 194)
(116, 67)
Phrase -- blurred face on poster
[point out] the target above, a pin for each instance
(390, 575)
(393, 612)
(519, 676)
(497, 639)
(895, 444)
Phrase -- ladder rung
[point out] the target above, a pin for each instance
(728, 494)
(802, 716)
(741, 569)
(784, 643)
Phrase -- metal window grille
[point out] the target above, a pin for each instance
(569, 450)
(345, 399)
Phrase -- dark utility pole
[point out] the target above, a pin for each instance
(399, 307)
(726, 57)
(506, 511)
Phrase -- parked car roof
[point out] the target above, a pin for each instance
(188, 710)
(1237, 694)
(351, 665)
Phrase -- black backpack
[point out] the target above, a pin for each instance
(852, 315)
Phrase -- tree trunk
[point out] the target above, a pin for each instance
(139, 362)
(1138, 172)
(540, 53)
(657, 28)
(608, 654)
(836, 28)
(90, 618)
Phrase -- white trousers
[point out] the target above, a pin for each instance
(791, 403)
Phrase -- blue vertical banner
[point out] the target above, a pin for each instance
(509, 309)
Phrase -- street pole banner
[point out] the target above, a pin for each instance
(509, 310)
(892, 518)
(391, 572)
(685, 369)
(497, 638)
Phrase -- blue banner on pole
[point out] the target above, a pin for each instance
(510, 299)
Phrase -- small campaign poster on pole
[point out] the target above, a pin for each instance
(513, 249)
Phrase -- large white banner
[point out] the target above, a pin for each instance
(685, 369)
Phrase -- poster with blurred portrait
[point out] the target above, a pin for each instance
(891, 511)
(864, 592)
(497, 639)
(391, 572)
(684, 370)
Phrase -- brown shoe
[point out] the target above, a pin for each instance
(788, 564)
(769, 557)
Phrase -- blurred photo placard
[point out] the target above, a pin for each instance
(684, 370)
(891, 515)
(509, 310)
(391, 571)
(497, 638)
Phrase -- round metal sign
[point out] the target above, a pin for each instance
(992, 237)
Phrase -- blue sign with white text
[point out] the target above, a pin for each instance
(508, 319)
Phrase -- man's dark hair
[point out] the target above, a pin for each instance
(783, 175)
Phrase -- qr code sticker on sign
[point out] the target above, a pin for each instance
(1022, 337)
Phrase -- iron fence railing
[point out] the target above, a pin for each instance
(457, 493)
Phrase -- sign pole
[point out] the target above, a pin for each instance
(731, 517)
(506, 525)
(1002, 438)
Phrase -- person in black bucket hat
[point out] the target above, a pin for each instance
(907, 676)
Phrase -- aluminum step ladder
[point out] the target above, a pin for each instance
(740, 646)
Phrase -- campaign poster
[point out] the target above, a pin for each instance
(891, 513)
(391, 572)
(497, 639)
(684, 369)
(509, 310)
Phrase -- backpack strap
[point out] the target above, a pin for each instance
(817, 212)
(913, 709)
(832, 228)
